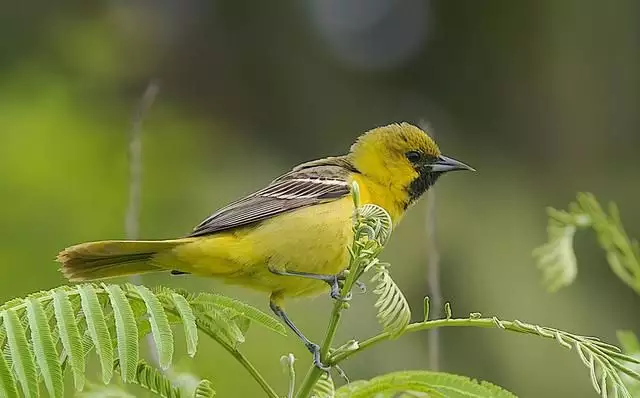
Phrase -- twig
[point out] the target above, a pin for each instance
(132, 217)
(433, 271)
(433, 281)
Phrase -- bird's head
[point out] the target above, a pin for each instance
(403, 157)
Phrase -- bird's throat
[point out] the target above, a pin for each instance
(420, 185)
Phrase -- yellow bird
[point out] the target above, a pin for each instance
(290, 238)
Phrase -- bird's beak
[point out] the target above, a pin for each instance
(445, 163)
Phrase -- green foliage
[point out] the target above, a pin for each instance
(434, 384)
(372, 229)
(66, 323)
(630, 346)
(49, 332)
(394, 313)
(557, 259)
(324, 387)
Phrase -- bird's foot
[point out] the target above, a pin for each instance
(336, 286)
(314, 349)
(361, 286)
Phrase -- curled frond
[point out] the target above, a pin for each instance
(375, 222)
(557, 259)
(394, 313)
(433, 384)
(287, 362)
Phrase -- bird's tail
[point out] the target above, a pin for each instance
(112, 258)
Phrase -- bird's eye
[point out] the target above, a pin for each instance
(413, 156)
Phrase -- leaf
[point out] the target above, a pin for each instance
(215, 323)
(126, 332)
(630, 346)
(160, 328)
(556, 258)
(69, 335)
(23, 363)
(209, 301)
(324, 387)
(188, 321)
(204, 390)
(155, 381)
(44, 348)
(394, 313)
(435, 384)
(7, 382)
(98, 330)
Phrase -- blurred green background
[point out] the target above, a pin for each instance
(541, 97)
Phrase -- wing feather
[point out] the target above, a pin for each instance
(318, 182)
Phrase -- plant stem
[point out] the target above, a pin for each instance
(429, 325)
(433, 281)
(314, 373)
(132, 216)
(271, 393)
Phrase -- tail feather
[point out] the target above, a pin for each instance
(113, 258)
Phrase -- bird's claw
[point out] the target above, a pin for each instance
(315, 351)
(361, 286)
(335, 294)
(335, 291)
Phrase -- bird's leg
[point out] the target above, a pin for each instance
(312, 347)
(332, 280)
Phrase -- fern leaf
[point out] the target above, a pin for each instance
(556, 258)
(215, 322)
(69, 335)
(8, 387)
(160, 328)
(155, 381)
(394, 313)
(204, 390)
(208, 301)
(44, 348)
(126, 332)
(188, 321)
(23, 363)
(97, 328)
(435, 384)
(324, 387)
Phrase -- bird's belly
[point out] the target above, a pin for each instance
(313, 239)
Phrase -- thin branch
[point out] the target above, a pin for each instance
(314, 373)
(433, 272)
(271, 393)
(433, 281)
(132, 216)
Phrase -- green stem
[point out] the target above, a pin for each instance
(314, 373)
(271, 393)
(438, 323)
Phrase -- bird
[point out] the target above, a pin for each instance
(289, 239)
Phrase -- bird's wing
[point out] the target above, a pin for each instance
(306, 185)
